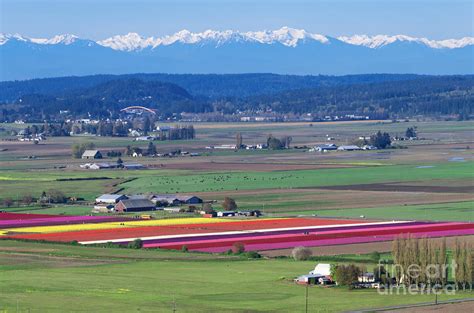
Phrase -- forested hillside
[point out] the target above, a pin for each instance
(376, 96)
(110, 97)
(209, 85)
(429, 95)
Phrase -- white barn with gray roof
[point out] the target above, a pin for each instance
(110, 198)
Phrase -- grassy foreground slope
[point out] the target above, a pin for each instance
(83, 279)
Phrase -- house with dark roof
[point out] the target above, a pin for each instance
(165, 200)
(189, 199)
(172, 199)
(134, 205)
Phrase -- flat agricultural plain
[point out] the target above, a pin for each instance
(45, 277)
(431, 179)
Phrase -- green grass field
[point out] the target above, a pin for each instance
(16, 184)
(457, 211)
(297, 179)
(68, 278)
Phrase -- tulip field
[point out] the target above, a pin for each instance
(216, 235)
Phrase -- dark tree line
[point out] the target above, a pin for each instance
(425, 96)
(380, 140)
(373, 96)
(274, 143)
(48, 129)
(179, 133)
(208, 85)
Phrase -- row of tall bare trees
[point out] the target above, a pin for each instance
(423, 261)
(463, 257)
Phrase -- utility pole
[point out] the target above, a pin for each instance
(306, 298)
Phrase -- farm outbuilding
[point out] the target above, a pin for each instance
(165, 199)
(325, 147)
(92, 154)
(226, 213)
(102, 166)
(134, 205)
(312, 279)
(320, 275)
(172, 200)
(133, 166)
(110, 198)
(189, 199)
(349, 148)
(322, 269)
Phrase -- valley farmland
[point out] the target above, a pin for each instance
(345, 205)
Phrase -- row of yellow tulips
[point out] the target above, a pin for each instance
(112, 225)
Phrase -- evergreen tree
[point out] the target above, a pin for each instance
(410, 132)
(380, 140)
(238, 141)
(119, 162)
(146, 125)
(151, 150)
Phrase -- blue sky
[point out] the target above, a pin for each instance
(435, 19)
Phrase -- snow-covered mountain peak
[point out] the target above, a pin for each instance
(127, 42)
(65, 39)
(183, 36)
(285, 35)
(6, 37)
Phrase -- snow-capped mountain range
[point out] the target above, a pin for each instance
(286, 50)
(290, 37)
(287, 36)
